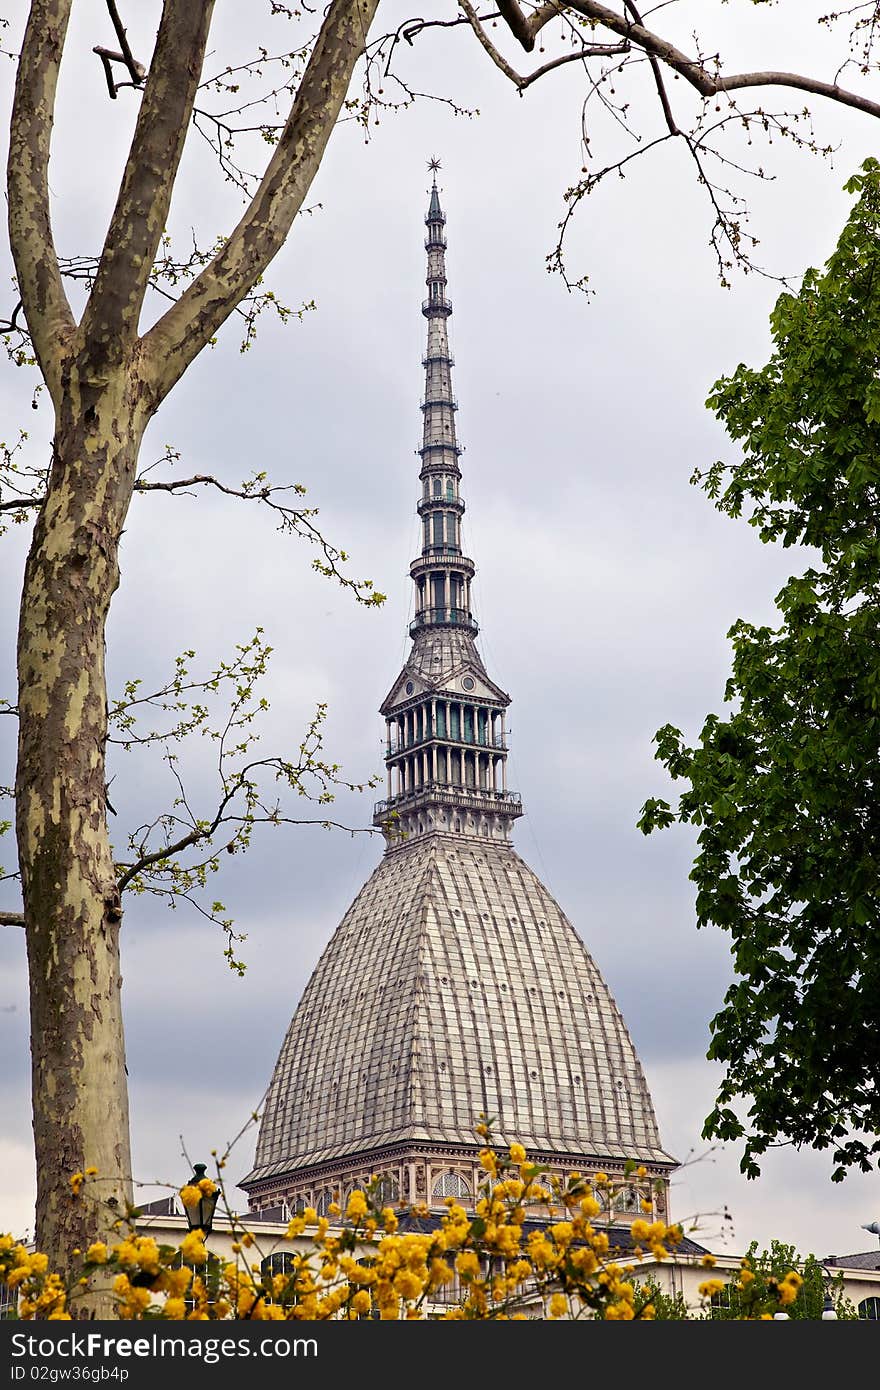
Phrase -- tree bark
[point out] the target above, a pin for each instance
(72, 906)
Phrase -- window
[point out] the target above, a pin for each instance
(870, 1308)
(323, 1202)
(450, 1185)
(8, 1303)
(438, 528)
(281, 1262)
(627, 1199)
(209, 1274)
(387, 1190)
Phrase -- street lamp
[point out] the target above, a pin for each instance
(200, 1214)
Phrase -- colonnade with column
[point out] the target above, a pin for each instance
(448, 742)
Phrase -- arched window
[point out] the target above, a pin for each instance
(627, 1199)
(450, 1185)
(870, 1308)
(280, 1262)
(387, 1190)
(323, 1201)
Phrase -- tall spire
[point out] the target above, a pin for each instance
(446, 748)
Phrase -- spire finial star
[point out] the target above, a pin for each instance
(434, 165)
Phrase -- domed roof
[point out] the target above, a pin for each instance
(455, 985)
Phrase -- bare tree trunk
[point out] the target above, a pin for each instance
(72, 907)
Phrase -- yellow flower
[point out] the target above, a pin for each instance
(175, 1308)
(362, 1302)
(190, 1195)
(407, 1284)
(517, 1153)
(76, 1182)
(357, 1206)
(558, 1306)
(710, 1287)
(97, 1253)
(206, 1186)
(708, 1261)
(640, 1230)
(193, 1249)
(91, 1172)
(468, 1265)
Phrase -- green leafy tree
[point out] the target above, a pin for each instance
(668, 1307)
(784, 787)
(768, 1270)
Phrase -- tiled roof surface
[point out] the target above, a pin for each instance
(454, 985)
(870, 1259)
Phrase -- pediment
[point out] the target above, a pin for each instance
(407, 687)
(468, 682)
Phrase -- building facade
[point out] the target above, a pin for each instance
(454, 986)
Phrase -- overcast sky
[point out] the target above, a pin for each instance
(605, 584)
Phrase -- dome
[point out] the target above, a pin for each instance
(455, 986)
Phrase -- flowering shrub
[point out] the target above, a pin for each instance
(499, 1263)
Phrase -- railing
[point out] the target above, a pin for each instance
(398, 746)
(440, 305)
(438, 357)
(453, 793)
(431, 552)
(433, 444)
(425, 504)
(435, 243)
(439, 400)
(451, 617)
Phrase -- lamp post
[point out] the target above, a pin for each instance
(200, 1214)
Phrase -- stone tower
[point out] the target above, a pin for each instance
(454, 984)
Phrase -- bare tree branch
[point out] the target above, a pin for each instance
(11, 919)
(183, 331)
(136, 70)
(46, 308)
(14, 504)
(110, 320)
(671, 123)
(578, 55)
(707, 80)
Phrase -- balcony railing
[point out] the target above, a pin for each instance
(466, 739)
(432, 445)
(427, 504)
(454, 794)
(443, 617)
(433, 552)
(431, 357)
(440, 400)
(440, 305)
